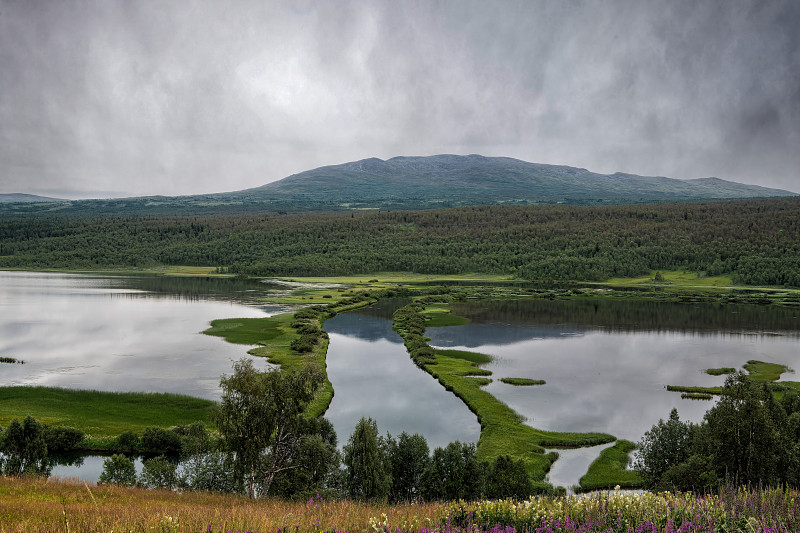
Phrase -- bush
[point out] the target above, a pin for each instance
(195, 439)
(304, 343)
(159, 441)
(209, 472)
(118, 470)
(508, 478)
(61, 439)
(159, 473)
(128, 442)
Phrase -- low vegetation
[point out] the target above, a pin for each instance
(761, 371)
(103, 414)
(523, 382)
(62, 506)
(720, 371)
(294, 340)
(612, 464)
(758, 371)
(11, 360)
(697, 396)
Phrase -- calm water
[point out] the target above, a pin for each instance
(120, 333)
(373, 376)
(87, 468)
(607, 363)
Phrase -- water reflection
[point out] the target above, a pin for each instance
(607, 363)
(108, 333)
(373, 376)
(84, 467)
(607, 368)
(572, 464)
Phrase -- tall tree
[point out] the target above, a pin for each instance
(24, 448)
(409, 456)
(746, 441)
(261, 420)
(368, 474)
(665, 445)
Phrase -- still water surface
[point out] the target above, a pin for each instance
(120, 333)
(373, 376)
(607, 363)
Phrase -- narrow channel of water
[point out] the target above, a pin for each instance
(373, 376)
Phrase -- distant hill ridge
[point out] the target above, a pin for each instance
(430, 182)
(20, 197)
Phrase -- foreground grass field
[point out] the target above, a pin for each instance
(29, 505)
(103, 414)
(69, 507)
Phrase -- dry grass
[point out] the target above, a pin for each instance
(68, 506)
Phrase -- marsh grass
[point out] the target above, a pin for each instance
(720, 371)
(610, 469)
(761, 371)
(387, 279)
(679, 278)
(103, 414)
(439, 315)
(694, 390)
(523, 382)
(757, 371)
(696, 396)
(273, 337)
(502, 429)
(475, 358)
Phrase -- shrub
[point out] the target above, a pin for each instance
(159, 473)
(61, 439)
(508, 478)
(159, 441)
(118, 470)
(128, 442)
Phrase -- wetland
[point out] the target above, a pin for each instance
(598, 364)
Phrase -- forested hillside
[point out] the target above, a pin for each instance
(757, 241)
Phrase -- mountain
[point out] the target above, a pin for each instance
(451, 180)
(427, 183)
(19, 197)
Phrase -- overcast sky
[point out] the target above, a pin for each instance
(113, 98)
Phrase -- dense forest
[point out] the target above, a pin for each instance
(756, 241)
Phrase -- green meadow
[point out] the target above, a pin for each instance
(103, 414)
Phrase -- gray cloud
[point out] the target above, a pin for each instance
(179, 97)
